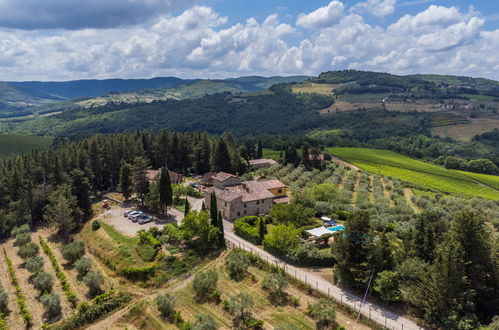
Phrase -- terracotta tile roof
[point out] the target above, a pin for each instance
(248, 191)
(273, 184)
(222, 176)
(262, 161)
(282, 200)
(152, 175)
(205, 178)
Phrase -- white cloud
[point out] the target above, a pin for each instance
(322, 17)
(199, 43)
(378, 8)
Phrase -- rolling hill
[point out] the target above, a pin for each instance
(11, 144)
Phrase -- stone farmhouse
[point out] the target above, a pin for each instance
(237, 199)
(262, 163)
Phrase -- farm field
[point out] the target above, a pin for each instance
(416, 172)
(466, 132)
(10, 144)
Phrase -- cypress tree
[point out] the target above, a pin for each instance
(221, 227)
(187, 207)
(203, 207)
(259, 151)
(213, 209)
(165, 190)
(262, 228)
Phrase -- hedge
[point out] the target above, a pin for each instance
(245, 228)
(153, 241)
(66, 286)
(146, 252)
(89, 313)
(23, 308)
(141, 274)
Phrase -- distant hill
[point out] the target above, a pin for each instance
(16, 98)
(11, 144)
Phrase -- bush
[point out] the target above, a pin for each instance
(73, 251)
(83, 266)
(204, 322)
(166, 304)
(27, 251)
(20, 230)
(22, 239)
(246, 228)
(324, 313)
(146, 252)
(237, 263)
(43, 282)
(52, 304)
(93, 280)
(4, 296)
(275, 284)
(34, 264)
(204, 284)
(239, 306)
(138, 274)
(95, 225)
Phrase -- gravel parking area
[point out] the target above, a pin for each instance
(114, 216)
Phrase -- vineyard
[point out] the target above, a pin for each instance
(421, 174)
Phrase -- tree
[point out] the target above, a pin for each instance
(62, 211)
(295, 214)
(126, 180)
(43, 282)
(240, 307)
(222, 159)
(237, 264)
(83, 266)
(22, 239)
(165, 304)
(152, 199)
(324, 192)
(81, 189)
(187, 207)
(93, 280)
(276, 285)
(387, 285)
(351, 251)
(220, 225)
(52, 304)
(259, 150)
(204, 284)
(23, 229)
(139, 177)
(262, 228)
(430, 228)
(34, 264)
(198, 225)
(27, 251)
(73, 251)
(165, 190)
(281, 239)
(213, 209)
(204, 322)
(324, 313)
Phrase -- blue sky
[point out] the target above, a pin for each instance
(80, 39)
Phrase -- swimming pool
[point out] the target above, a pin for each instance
(336, 228)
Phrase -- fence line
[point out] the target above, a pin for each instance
(325, 287)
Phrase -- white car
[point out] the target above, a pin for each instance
(130, 215)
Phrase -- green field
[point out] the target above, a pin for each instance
(12, 144)
(419, 173)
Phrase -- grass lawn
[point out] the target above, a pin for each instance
(419, 173)
(12, 144)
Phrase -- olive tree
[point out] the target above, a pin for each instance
(166, 304)
(43, 282)
(34, 264)
(52, 304)
(237, 263)
(204, 284)
(93, 280)
(73, 251)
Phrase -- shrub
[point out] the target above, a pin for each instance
(138, 274)
(52, 304)
(73, 251)
(204, 322)
(166, 304)
(95, 225)
(93, 280)
(146, 252)
(204, 284)
(239, 306)
(43, 282)
(324, 313)
(275, 284)
(20, 230)
(237, 263)
(83, 266)
(27, 251)
(4, 296)
(34, 264)
(246, 228)
(22, 239)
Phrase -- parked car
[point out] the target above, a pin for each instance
(144, 219)
(127, 213)
(135, 216)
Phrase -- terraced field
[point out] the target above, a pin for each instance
(388, 163)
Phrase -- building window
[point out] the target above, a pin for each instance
(244, 211)
(244, 205)
(225, 203)
(238, 214)
(257, 202)
(279, 191)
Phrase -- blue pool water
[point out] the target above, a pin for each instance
(336, 228)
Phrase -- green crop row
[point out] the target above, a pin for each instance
(66, 286)
(3, 323)
(21, 301)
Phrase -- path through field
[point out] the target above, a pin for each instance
(408, 194)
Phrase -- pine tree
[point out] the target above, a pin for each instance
(222, 157)
(165, 190)
(126, 181)
(306, 155)
(213, 209)
(62, 213)
(140, 181)
(81, 189)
